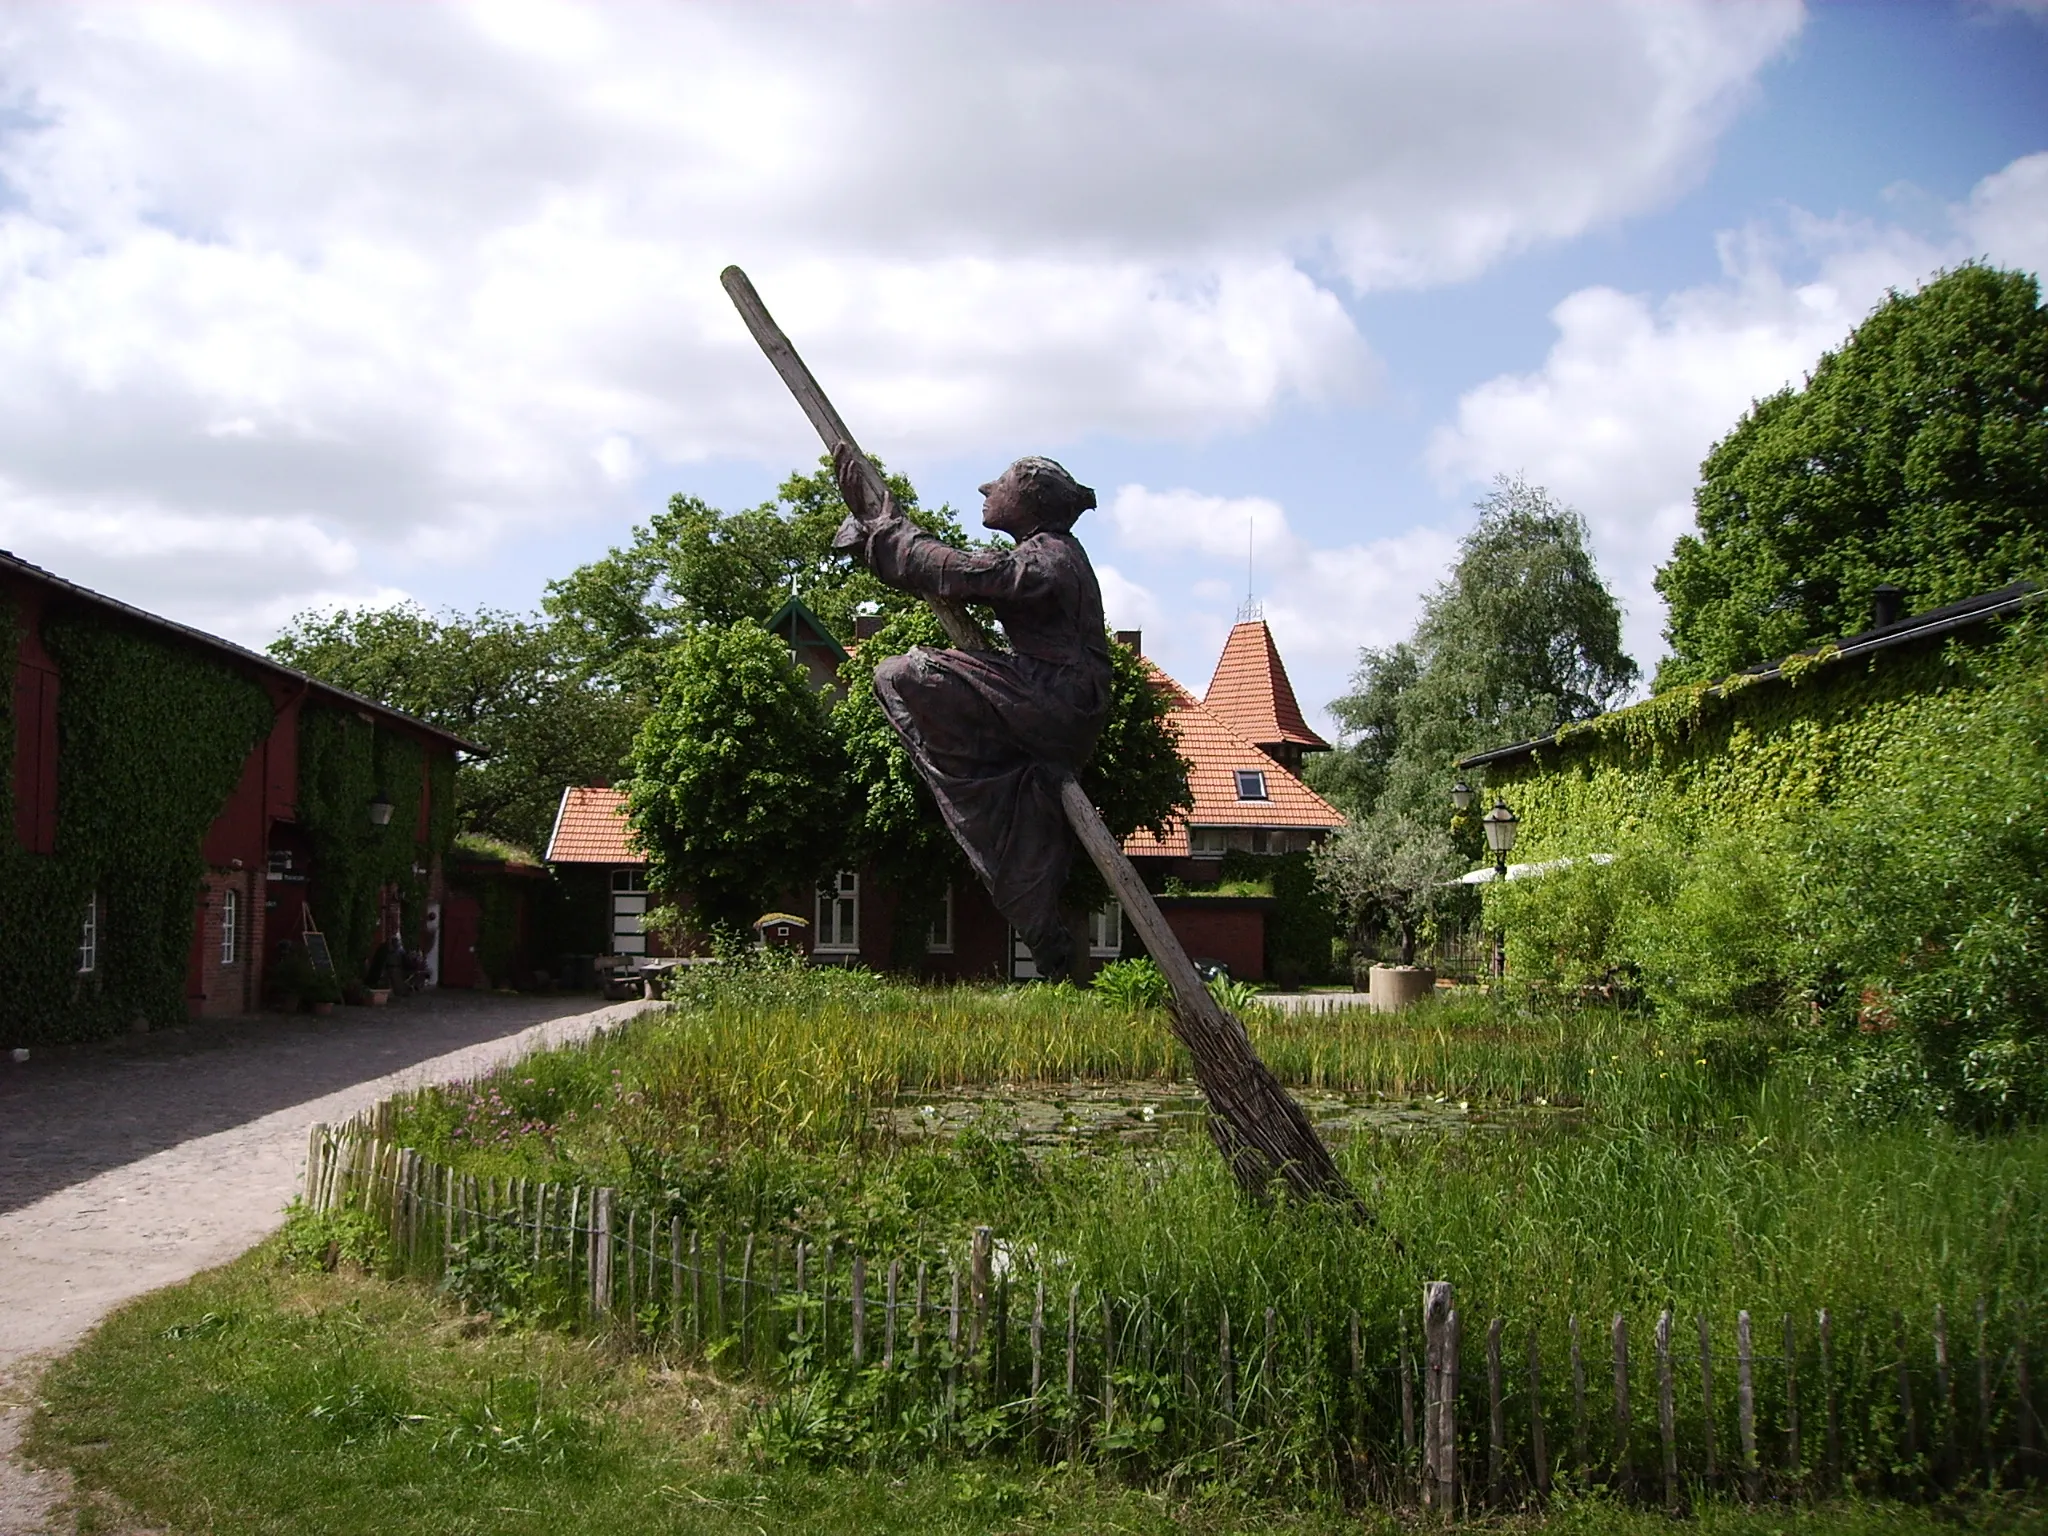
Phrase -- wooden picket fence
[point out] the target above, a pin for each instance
(996, 1349)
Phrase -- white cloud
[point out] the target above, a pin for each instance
(424, 278)
(1634, 393)
(1322, 603)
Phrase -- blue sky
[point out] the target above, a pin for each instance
(308, 307)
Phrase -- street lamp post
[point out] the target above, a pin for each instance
(380, 810)
(1500, 826)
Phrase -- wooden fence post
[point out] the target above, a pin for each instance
(1710, 1424)
(1624, 1456)
(696, 1289)
(920, 1321)
(1539, 1451)
(860, 1309)
(750, 1339)
(1791, 1399)
(1827, 1387)
(1439, 1408)
(1667, 1411)
(980, 1257)
(1496, 1419)
(891, 1287)
(1037, 1340)
(1944, 1397)
(1578, 1398)
(601, 1255)
(1108, 1361)
(1745, 1406)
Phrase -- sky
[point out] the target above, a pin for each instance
(314, 305)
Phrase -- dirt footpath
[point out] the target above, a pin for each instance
(137, 1165)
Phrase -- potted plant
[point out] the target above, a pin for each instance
(379, 977)
(323, 991)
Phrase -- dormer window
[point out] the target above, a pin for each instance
(1251, 784)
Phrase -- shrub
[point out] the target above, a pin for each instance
(1132, 983)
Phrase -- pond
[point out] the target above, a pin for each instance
(1041, 1116)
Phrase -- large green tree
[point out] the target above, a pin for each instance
(1916, 455)
(1522, 637)
(514, 686)
(739, 784)
(692, 565)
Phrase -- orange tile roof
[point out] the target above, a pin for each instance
(591, 828)
(1251, 691)
(1215, 750)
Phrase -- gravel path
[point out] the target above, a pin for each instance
(139, 1164)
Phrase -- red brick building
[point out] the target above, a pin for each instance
(251, 858)
(1245, 798)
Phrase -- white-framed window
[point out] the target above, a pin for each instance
(838, 927)
(1106, 932)
(89, 936)
(230, 922)
(1023, 964)
(938, 940)
(1214, 842)
(629, 877)
(1251, 784)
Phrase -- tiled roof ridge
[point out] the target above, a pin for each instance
(1250, 688)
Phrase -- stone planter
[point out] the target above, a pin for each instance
(1394, 987)
(378, 996)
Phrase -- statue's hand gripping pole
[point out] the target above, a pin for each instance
(1261, 1131)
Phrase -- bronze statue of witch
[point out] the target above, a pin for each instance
(994, 733)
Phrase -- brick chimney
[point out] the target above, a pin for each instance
(868, 625)
(1134, 639)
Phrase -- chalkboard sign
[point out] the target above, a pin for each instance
(316, 951)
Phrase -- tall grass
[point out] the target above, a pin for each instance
(802, 1057)
(1681, 1175)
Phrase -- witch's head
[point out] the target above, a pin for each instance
(1033, 495)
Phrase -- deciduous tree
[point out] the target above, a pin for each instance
(1915, 455)
(739, 784)
(692, 565)
(1522, 637)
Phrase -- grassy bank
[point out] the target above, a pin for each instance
(1600, 1166)
(262, 1398)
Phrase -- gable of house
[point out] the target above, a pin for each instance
(1244, 799)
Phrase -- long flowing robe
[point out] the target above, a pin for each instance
(992, 733)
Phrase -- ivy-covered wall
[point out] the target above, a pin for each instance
(1751, 750)
(152, 741)
(345, 762)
